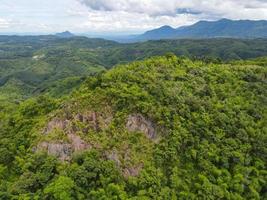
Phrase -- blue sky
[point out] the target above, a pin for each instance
(119, 16)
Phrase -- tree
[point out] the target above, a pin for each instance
(62, 188)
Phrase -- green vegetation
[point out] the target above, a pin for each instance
(209, 121)
(31, 65)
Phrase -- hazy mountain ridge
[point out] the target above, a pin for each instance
(210, 29)
(224, 28)
(65, 34)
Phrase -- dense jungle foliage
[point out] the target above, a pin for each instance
(209, 120)
(30, 65)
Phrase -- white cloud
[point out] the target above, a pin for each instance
(146, 14)
(150, 7)
(255, 9)
(120, 15)
(121, 21)
(4, 23)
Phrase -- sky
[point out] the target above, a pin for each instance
(119, 16)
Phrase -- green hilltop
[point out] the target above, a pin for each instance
(163, 128)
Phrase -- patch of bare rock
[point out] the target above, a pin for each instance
(62, 149)
(96, 122)
(127, 171)
(139, 123)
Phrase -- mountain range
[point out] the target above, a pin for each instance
(209, 29)
(223, 28)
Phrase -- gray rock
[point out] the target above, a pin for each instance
(114, 157)
(56, 123)
(133, 170)
(77, 144)
(61, 150)
(139, 123)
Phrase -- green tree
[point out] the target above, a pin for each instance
(62, 188)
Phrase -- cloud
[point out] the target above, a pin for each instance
(150, 7)
(121, 21)
(106, 15)
(187, 11)
(227, 8)
(132, 16)
(4, 23)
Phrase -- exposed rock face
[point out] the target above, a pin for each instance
(114, 157)
(60, 150)
(127, 171)
(64, 150)
(133, 171)
(77, 144)
(73, 125)
(90, 120)
(139, 123)
(56, 123)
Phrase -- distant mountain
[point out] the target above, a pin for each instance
(160, 33)
(210, 29)
(65, 34)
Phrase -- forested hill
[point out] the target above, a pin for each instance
(31, 65)
(163, 128)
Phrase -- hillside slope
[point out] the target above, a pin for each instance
(163, 128)
(31, 65)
